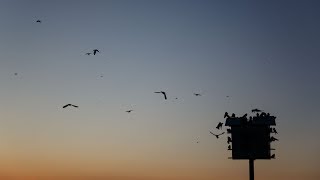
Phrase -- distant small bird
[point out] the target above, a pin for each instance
(217, 135)
(273, 156)
(129, 111)
(229, 147)
(38, 21)
(95, 51)
(229, 140)
(227, 96)
(256, 110)
(70, 105)
(197, 141)
(197, 94)
(274, 130)
(88, 54)
(226, 115)
(219, 126)
(233, 115)
(16, 74)
(162, 92)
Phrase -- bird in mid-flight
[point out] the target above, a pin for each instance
(217, 135)
(256, 110)
(88, 54)
(219, 126)
(226, 115)
(38, 21)
(70, 105)
(95, 51)
(162, 92)
(129, 111)
(197, 94)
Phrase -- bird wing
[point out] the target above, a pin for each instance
(212, 133)
(221, 133)
(65, 105)
(165, 96)
(74, 106)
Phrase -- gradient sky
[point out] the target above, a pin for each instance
(262, 54)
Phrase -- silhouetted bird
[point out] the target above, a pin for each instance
(229, 140)
(16, 74)
(233, 115)
(129, 111)
(88, 54)
(229, 131)
(273, 156)
(229, 147)
(274, 130)
(38, 21)
(95, 51)
(70, 105)
(226, 115)
(219, 126)
(245, 115)
(162, 92)
(256, 110)
(217, 135)
(273, 139)
(197, 94)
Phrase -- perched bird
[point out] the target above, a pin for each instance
(273, 156)
(229, 147)
(274, 130)
(229, 131)
(245, 115)
(70, 105)
(217, 135)
(162, 92)
(197, 94)
(229, 140)
(88, 54)
(38, 21)
(273, 139)
(226, 115)
(95, 51)
(233, 115)
(129, 111)
(219, 126)
(256, 110)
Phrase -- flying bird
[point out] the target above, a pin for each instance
(129, 111)
(16, 74)
(38, 21)
(95, 51)
(197, 94)
(88, 54)
(70, 105)
(256, 110)
(217, 135)
(219, 126)
(162, 92)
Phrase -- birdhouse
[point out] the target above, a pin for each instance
(250, 138)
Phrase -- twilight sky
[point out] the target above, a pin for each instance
(238, 54)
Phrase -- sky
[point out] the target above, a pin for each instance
(238, 55)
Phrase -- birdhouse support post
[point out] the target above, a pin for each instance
(251, 169)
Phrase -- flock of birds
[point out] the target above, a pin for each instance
(164, 94)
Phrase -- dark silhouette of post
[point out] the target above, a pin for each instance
(250, 138)
(251, 169)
